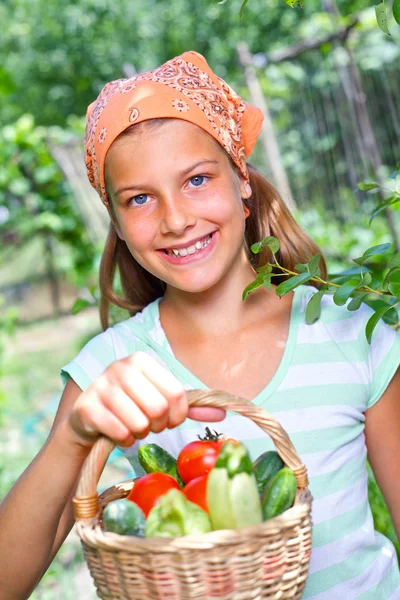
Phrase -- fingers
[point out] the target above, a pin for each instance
(132, 397)
(164, 385)
(205, 413)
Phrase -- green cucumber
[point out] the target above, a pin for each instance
(279, 494)
(219, 506)
(245, 500)
(265, 467)
(124, 517)
(155, 459)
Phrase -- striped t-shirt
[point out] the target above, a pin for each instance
(327, 378)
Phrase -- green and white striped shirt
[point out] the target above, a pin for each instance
(328, 376)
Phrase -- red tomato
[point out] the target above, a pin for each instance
(196, 491)
(197, 458)
(148, 489)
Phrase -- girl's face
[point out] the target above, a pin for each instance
(178, 204)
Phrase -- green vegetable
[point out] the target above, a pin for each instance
(265, 467)
(279, 494)
(174, 516)
(232, 494)
(234, 458)
(218, 492)
(155, 459)
(124, 517)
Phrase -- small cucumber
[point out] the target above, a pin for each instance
(279, 494)
(124, 517)
(245, 501)
(155, 459)
(265, 467)
(218, 493)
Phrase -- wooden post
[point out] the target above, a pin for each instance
(351, 81)
(268, 138)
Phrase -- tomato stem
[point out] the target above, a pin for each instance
(210, 437)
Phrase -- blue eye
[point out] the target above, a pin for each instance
(198, 180)
(140, 199)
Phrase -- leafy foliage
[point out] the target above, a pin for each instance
(35, 199)
(352, 286)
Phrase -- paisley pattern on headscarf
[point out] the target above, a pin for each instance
(184, 88)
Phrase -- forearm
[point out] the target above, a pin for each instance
(31, 515)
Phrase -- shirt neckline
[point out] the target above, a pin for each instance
(186, 375)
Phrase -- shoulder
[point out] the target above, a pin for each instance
(340, 325)
(115, 343)
(339, 337)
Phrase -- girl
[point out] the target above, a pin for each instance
(166, 151)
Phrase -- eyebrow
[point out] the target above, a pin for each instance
(183, 174)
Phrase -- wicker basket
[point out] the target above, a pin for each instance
(261, 561)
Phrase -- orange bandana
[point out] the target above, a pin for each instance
(183, 88)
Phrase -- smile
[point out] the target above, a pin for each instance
(199, 245)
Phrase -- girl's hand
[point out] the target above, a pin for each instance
(132, 397)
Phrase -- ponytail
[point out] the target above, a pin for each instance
(269, 215)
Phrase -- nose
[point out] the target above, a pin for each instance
(176, 215)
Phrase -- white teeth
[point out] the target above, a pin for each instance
(199, 245)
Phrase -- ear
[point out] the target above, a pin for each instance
(116, 225)
(245, 187)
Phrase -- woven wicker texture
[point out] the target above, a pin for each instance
(264, 561)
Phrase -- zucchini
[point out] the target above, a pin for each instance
(245, 501)
(279, 494)
(124, 517)
(155, 459)
(219, 506)
(265, 467)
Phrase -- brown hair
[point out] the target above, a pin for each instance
(268, 216)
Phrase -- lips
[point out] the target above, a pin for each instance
(187, 244)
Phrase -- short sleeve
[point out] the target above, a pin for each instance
(91, 361)
(384, 359)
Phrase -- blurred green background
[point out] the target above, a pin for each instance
(328, 79)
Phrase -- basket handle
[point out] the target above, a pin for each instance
(86, 499)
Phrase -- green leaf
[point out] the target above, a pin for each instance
(264, 269)
(356, 302)
(366, 187)
(373, 251)
(396, 11)
(313, 310)
(313, 264)
(394, 288)
(79, 305)
(346, 275)
(270, 241)
(267, 282)
(396, 172)
(343, 293)
(373, 321)
(380, 11)
(394, 261)
(392, 280)
(242, 9)
(251, 287)
(366, 280)
(301, 268)
(383, 206)
(290, 284)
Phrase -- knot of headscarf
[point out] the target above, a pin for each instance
(183, 88)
